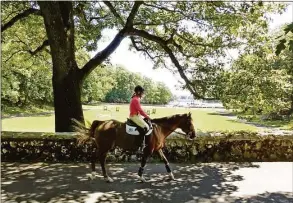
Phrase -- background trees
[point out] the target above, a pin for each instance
(259, 81)
(188, 37)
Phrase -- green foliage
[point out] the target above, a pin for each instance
(258, 81)
(125, 82)
(282, 42)
(199, 40)
(25, 84)
(98, 84)
(196, 40)
(27, 77)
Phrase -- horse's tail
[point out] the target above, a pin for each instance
(85, 134)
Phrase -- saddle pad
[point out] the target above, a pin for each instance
(132, 130)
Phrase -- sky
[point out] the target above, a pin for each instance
(136, 62)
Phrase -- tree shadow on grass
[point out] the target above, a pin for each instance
(20, 115)
(40, 114)
(222, 113)
(43, 182)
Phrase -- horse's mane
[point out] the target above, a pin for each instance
(168, 118)
(155, 120)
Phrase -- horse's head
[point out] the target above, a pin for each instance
(187, 126)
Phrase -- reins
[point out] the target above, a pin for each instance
(172, 131)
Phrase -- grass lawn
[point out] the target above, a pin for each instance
(203, 119)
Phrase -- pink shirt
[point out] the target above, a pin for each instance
(135, 107)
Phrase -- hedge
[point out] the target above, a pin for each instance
(241, 146)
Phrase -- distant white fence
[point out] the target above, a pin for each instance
(190, 103)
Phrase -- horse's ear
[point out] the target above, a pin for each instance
(189, 115)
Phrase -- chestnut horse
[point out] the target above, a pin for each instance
(111, 133)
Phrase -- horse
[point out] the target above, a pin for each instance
(106, 135)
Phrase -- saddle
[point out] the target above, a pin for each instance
(133, 129)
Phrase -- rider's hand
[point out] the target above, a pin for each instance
(147, 119)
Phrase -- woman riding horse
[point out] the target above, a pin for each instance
(136, 112)
(107, 135)
(111, 133)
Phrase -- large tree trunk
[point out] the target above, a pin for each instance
(67, 102)
(67, 81)
(67, 77)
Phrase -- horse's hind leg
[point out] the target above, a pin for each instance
(93, 164)
(102, 158)
(162, 155)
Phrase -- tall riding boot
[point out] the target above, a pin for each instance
(145, 130)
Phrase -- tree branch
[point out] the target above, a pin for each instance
(145, 50)
(113, 10)
(98, 18)
(196, 43)
(19, 16)
(129, 21)
(164, 45)
(160, 7)
(104, 54)
(190, 16)
(40, 48)
(121, 21)
(181, 71)
(148, 24)
(16, 52)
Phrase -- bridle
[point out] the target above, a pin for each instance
(173, 131)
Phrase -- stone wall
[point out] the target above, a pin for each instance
(238, 146)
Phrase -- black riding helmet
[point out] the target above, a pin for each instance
(138, 88)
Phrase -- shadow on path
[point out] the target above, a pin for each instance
(43, 182)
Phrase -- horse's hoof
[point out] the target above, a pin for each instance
(109, 180)
(171, 176)
(142, 179)
(92, 176)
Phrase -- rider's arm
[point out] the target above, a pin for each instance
(140, 110)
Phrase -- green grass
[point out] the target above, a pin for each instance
(203, 119)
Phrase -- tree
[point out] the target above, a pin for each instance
(164, 94)
(123, 88)
(150, 91)
(177, 33)
(97, 85)
(259, 81)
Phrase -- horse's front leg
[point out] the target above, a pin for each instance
(146, 154)
(162, 155)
